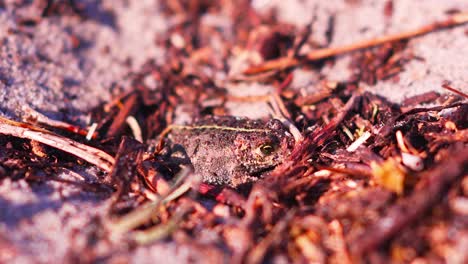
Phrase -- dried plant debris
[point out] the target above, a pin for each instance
(341, 176)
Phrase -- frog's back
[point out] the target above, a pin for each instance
(220, 148)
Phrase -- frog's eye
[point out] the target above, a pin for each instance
(266, 149)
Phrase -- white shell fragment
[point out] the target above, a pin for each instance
(412, 161)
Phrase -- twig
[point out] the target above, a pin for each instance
(257, 254)
(302, 39)
(448, 87)
(126, 110)
(33, 116)
(287, 62)
(281, 113)
(428, 109)
(409, 209)
(92, 155)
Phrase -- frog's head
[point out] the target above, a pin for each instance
(258, 152)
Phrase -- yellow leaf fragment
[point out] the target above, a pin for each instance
(402, 254)
(390, 175)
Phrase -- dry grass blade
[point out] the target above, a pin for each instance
(143, 214)
(160, 231)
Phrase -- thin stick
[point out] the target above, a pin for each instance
(450, 88)
(92, 155)
(33, 116)
(286, 62)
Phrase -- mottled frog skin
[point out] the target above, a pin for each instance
(231, 150)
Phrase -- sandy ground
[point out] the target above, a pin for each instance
(40, 67)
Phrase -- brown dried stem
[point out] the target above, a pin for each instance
(92, 155)
(287, 62)
(409, 209)
(450, 88)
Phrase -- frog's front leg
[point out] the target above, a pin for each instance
(239, 177)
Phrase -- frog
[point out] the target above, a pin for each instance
(233, 151)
